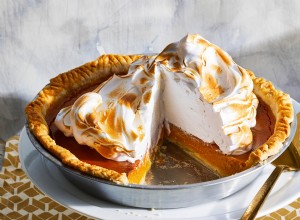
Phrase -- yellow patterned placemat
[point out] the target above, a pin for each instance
(20, 199)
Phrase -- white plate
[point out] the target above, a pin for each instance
(51, 181)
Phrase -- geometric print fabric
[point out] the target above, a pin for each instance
(21, 199)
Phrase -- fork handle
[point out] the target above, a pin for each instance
(262, 194)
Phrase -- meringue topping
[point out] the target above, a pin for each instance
(192, 84)
(214, 96)
(116, 118)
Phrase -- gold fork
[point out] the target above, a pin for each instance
(289, 160)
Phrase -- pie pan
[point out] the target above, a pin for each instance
(163, 196)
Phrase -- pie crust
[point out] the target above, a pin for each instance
(99, 70)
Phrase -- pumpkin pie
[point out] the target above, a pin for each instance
(107, 118)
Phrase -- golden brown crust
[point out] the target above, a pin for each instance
(282, 108)
(61, 87)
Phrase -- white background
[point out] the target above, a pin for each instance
(39, 39)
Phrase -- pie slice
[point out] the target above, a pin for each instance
(108, 117)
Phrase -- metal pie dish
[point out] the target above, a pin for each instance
(161, 196)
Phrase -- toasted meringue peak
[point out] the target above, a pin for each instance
(192, 84)
(115, 119)
(216, 79)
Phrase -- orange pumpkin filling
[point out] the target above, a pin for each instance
(208, 154)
